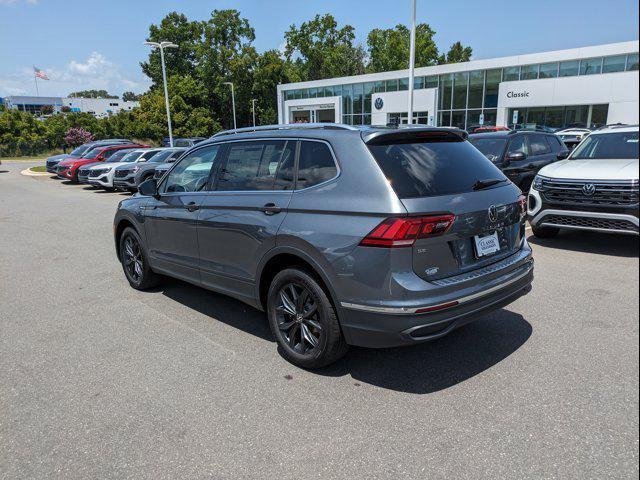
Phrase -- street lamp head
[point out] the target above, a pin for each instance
(227, 83)
(152, 44)
(169, 45)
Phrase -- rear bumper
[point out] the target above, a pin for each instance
(381, 326)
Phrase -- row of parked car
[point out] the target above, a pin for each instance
(115, 163)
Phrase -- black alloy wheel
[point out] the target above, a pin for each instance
(297, 317)
(134, 261)
(303, 320)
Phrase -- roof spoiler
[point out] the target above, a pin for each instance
(420, 133)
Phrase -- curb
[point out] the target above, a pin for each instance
(27, 172)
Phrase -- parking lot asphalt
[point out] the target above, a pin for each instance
(98, 380)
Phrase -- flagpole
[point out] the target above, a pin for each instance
(35, 78)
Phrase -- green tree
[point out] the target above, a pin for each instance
(130, 97)
(457, 53)
(270, 70)
(176, 28)
(91, 94)
(21, 134)
(319, 49)
(388, 49)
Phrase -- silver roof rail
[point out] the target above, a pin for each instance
(286, 126)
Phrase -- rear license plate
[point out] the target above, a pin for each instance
(487, 244)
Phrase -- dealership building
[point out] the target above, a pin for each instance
(99, 107)
(588, 86)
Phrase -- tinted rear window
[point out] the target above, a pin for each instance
(431, 168)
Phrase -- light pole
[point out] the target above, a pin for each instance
(412, 59)
(233, 103)
(162, 46)
(253, 109)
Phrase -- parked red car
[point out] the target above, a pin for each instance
(68, 169)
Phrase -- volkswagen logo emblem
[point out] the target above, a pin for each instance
(589, 189)
(379, 103)
(493, 213)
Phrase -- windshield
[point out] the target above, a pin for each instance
(77, 152)
(93, 153)
(492, 148)
(161, 156)
(430, 168)
(607, 146)
(131, 156)
(147, 155)
(117, 156)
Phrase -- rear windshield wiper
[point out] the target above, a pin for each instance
(480, 184)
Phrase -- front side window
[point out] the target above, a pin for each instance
(538, 145)
(316, 164)
(118, 155)
(518, 145)
(618, 145)
(256, 165)
(192, 173)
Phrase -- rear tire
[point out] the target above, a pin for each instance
(135, 261)
(545, 232)
(303, 320)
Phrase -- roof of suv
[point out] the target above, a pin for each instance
(326, 131)
(616, 128)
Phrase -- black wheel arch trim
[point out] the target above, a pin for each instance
(289, 250)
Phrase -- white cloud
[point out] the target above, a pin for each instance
(96, 72)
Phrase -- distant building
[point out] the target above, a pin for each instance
(583, 87)
(98, 107)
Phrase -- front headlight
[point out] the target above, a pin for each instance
(135, 169)
(537, 183)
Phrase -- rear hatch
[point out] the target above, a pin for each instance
(436, 172)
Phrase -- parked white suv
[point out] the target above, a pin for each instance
(595, 188)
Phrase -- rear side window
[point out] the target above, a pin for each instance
(316, 164)
(431, 168)
(255, 166)
(518, 145)
(538, 145)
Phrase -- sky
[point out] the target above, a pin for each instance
(98, 44)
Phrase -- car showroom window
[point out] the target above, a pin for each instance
(192, 173)
(255, 165)
(538, 145)
(316, 164)
(518, 145)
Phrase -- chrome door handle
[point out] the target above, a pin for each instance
(270, 209)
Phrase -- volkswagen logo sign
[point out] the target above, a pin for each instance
(493, 213)
(379, 103)
(589, 189)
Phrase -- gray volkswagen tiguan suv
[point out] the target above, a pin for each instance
(375, 237)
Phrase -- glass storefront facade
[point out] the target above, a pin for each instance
(579, 116)
(464, 96)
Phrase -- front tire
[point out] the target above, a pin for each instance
(303, 320)
(545, 232)
(135, 262)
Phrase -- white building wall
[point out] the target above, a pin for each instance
(424, 100)
(619, 90)
(101, 107)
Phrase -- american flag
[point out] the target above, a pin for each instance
(39, 73)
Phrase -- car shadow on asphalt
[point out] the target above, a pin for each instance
(424, 368)
(591, 242)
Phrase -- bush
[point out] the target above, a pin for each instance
(77, 136)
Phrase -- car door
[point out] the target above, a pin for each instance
(240, 217)
(171, 217)
(518, 164)
(541, 152)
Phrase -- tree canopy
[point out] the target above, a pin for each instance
(91, 94)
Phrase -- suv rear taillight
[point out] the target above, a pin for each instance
(403, 232)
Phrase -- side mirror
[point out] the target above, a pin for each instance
(149, 188)
(562, 154)
(516, 156)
